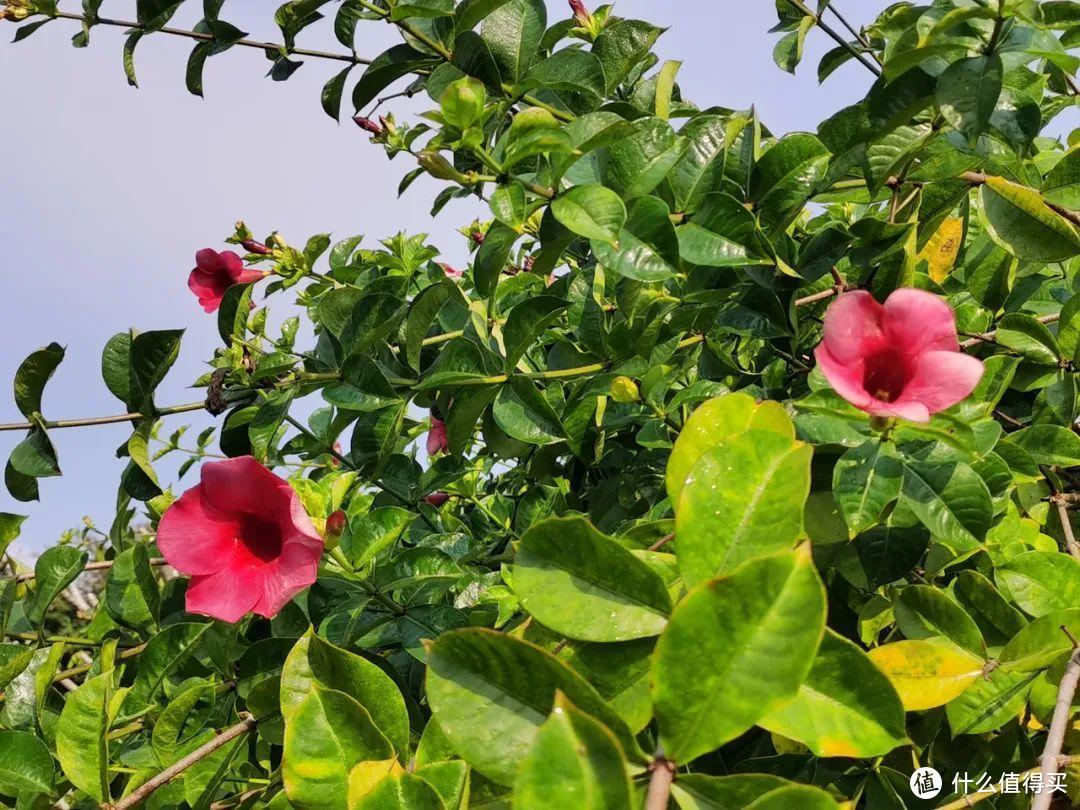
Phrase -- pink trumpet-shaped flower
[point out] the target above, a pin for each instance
(214, 273)
(901, 359)
(244, 539)
(437, 441)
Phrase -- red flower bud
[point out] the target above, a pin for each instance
(477, 237)
(436, 499)
(368, 125)
(581, 13)
(251, 246)
(336, 523)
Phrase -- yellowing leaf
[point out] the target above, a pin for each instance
(926, 673)
(364, 777)
(942, 248)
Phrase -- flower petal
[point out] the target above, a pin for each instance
(845, 378)
(295, 570)
(194, 537)
(208, 288)
(853, 327)
(209, 260)
(227, 595)
(243, 485)
(941, 380)
(917, 321)
(437, 441)
(912, 411)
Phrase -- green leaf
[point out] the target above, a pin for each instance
(403, 9)
(574, 762)
(25, 764)
(968, 93)
(35, 456)
(1061, 185)
(709, 683)
(513, 32)
(712, 422)
(845, 708)
(866, 480)
(82, 743)
(14, 658)
(594, 212)
(923, 612)
(951, 500)
(54, 570)
(490, 694)
(314, 660)
(32, 375)
(648, 247)
(1018, 219)
(326, 735)
(584, 585)
(509, 205)
(997, 619)
(493, 257)
(636, 164)
(622, 46)
(726, 517)
(700, 169)
(1040, 643)
(1041, 582)
(568, 70)
(785, 177)
(384, 70)
(164, 654)
(696, 791)
(990, 702)
(525, 414)
(264, 426)
(132, 596)
(332, 92)
(804, 797)
(10, 527)
(927, 674)
(133, 365)
(1052, 445)
(526, 322)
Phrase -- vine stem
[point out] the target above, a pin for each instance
(991, 336)
(663, 774)
(1055, 738)
(149, 786)
(843, 43)
(269, 47)
(104, 565)
(1066, 525)
(107, 420)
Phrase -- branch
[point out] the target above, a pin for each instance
(1066, 525)
(663, 774)
(107, 420)
(269, 47)
(991, 336)
(1051, 756)
(843, 43)
(854, 32)
(94, 566)
(148, 787)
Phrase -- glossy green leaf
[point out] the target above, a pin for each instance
(132, 596)
(400, 792)
(648, 247)
(32, 375)
(744, 498)
(512, 33)
(574, 762)
(1019, 220)
(845, 708)
(785, 177)
(82, 736)
(1049, 444)
(866, 480)
(1038, 644)
(25, 764)
(54, 570)
(1041, 582)
(593, 212)
(490, 694)
(580, 583)
(968, 92)
(696, 791)
(767, 616)
(923, 612)
(990, 702)
(951, 500)
(164, 654)
(525, 414)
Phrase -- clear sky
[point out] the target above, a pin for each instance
(106, 192)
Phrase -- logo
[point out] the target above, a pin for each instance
(926, 783)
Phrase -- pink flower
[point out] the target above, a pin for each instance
(897, 360)
(437, 441)
(244, 539)
(450, 271)
(214, 273)
(581, 14)
(436, 499)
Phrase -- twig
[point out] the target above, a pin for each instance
(854, 32)
(1051, 756)
(148, 787)
(107, 420)
(663, 774)
(843, 43)
(94, 566)
(1066, 525)
(991, 336)
(822, 296)
(269, 47)
(663, 541)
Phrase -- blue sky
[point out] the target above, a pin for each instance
(109, 191)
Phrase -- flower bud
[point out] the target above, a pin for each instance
(368, 125)
(336, 523)
(438, 166)
(624, 390)
(581, 14)
(477, 237)
(251, 246)
(436, 499)
(449, 271)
